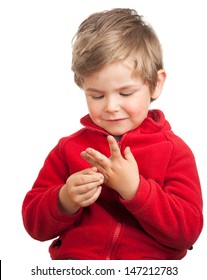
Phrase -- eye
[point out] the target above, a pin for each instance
(126, 94)
(97, 97)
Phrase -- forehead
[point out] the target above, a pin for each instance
(120, 68)
(112, 77)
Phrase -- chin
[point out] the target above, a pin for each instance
(118, 133)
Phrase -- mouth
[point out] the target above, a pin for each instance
(116, 120)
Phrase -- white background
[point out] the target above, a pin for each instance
(40, 103)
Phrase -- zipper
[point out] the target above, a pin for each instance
(118, 226)
(106, 133)
(115, 237)
(97, 130)
(117, 229)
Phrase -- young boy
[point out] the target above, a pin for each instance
(124, 186)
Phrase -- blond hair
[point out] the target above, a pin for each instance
(112, 36)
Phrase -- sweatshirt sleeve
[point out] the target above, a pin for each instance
(171, 213)
(42, 217)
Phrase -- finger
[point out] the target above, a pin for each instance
(89, 159)
(128, 154)
(100, 169)
(91, 171)
(95, 158)
(78, 179)
(94, 178)
(92, 198)
(88, 171)
(88, 189)
(96, 195)
(114, 147)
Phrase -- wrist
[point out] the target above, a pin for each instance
(65, 204)
(129, 193)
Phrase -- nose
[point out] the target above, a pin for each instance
(112, 105)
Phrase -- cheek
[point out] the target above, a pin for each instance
(132, 108)
(94, 111)
(138, 109)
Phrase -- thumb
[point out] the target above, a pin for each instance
(89, 171)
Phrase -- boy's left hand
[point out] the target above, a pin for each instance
(120, 173)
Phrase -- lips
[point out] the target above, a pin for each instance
(116, 120)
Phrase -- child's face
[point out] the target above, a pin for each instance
(117, 101)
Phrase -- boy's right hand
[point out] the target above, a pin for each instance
(81, 189)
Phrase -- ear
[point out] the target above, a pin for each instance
(161, 76)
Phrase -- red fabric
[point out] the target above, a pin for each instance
(162, 221)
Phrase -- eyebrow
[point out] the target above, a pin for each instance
(94, 90)
(119, 89)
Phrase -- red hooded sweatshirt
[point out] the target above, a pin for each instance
(162, 221)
